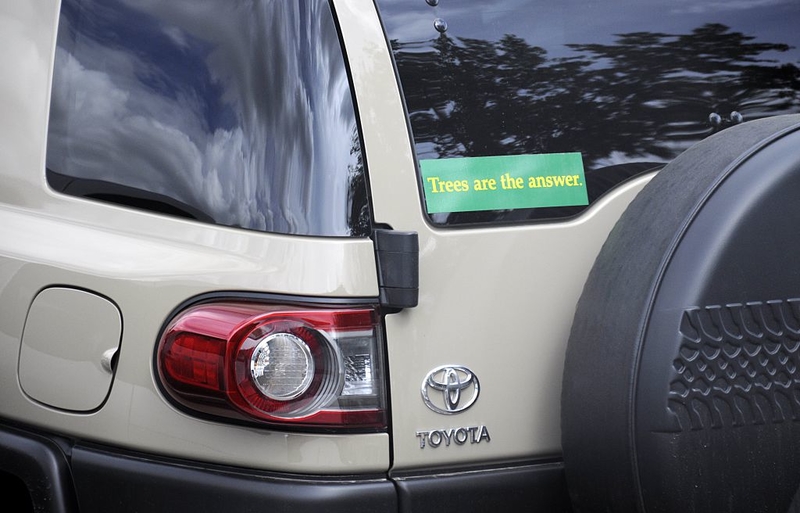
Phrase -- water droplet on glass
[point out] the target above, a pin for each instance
(433, 3)
(440, 25)
(715, 119)
(736, 117)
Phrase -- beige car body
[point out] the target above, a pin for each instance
(486, 297)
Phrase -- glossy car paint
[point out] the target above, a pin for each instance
(147, 265)
(498, 300)
(486, 295)
(58, 345)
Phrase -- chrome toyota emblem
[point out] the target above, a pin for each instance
(450, 389)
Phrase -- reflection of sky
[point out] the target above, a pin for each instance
(241, 109)
(551, 25)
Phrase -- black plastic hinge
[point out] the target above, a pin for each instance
(397, 254)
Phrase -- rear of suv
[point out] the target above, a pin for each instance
(327, 255)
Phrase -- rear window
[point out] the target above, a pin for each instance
(232, 112)
(533, 109)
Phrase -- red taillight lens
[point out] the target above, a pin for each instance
(277, 364)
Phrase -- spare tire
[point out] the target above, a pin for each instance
(681, 387)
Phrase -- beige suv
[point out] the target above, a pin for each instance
(348, 255)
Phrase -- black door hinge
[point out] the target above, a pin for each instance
(397, 254)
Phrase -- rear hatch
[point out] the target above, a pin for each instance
(531, 125)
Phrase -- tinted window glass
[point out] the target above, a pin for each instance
(235, 112)
(628, 84)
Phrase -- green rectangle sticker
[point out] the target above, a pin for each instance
(467, 184)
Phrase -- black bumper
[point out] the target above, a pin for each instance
(67, 477)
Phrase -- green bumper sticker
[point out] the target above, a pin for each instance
(467, 184)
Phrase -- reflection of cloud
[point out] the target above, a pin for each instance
(156, 153)
(177, 36)
(729, 5)
(245, 115)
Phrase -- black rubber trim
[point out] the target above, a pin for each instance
(42, 466)
(531, 487)
(108, 482)
(60, 475)
(125, 196)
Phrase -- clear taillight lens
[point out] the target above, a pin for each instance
(280, 365)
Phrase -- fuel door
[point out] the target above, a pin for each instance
(68, 348)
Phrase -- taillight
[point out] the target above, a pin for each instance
(279, 365)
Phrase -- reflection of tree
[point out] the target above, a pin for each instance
(647, 95)
(358, 215)
(664, 87)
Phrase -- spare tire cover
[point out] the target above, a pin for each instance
(681, 387)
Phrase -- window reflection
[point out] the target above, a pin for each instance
(628, 84)
(235, 112)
